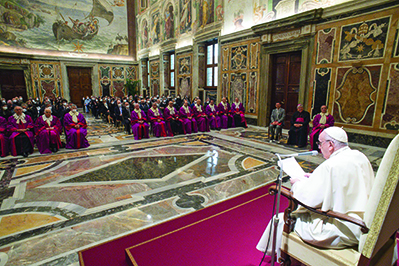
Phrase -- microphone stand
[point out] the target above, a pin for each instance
(275, 216)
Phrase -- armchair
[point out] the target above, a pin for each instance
(379, 227)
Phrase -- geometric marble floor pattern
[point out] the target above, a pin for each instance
(55, 205)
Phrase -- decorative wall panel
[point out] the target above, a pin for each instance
(254, 55)
(322, 82)
(240, 73)
(46, 79)
(225, 58)
(356, 73)
(112, 78)
(390, 116)
(325, 45)
(364, 40)
(184, 74)
(239, 57)
(356, 94)
(154, 75)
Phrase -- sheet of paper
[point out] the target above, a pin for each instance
(292, 168)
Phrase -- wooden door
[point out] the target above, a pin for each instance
(286, 75)
(79, 84)
(12, 84)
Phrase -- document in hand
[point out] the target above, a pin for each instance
(292, 168)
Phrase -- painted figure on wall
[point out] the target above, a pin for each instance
(169, 22)
(156, 28)
(206, 12)
(260, 14)
(185, 16)
(219, 12)
(238, 19)
(144, 35)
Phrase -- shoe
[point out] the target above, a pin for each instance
(25, 154)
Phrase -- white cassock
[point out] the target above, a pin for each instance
(341, 184)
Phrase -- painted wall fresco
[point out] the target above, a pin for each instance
(240, 73)
(186, 16)
(239, 16)
(88, 26)
(112, 78)
(155, 28)
(169, 21)
(46, 79)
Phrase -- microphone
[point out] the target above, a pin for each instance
(311, 153)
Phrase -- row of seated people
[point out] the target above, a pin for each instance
(299, 130)
(186, 120)
(19, 133)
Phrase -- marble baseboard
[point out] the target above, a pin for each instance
(369, 140)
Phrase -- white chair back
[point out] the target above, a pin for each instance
(381, 214)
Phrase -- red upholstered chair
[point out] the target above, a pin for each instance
(379, 227)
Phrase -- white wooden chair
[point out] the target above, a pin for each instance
(379, 227)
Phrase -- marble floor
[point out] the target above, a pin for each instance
(55, 205)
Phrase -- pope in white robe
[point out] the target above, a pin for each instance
(342, 184)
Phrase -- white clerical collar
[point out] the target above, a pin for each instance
(156, 112)
(138, 111)
(186, 109)
(171, 110)
(20, 118)
(74, 116)
(47, 119)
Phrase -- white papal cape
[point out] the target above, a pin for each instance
(342, 184)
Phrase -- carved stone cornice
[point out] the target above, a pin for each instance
(289, 23)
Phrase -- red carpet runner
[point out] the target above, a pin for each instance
(224, 234)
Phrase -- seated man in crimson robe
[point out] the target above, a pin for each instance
(226, 118)
(214, 119)
(21, 139)
(157, 122)
(48, 129)
(187, 115)
(139, 123)
(4, 142)
(75, 129)
(321, 121)
(238, 111)
(173, 122)
(201, 117)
